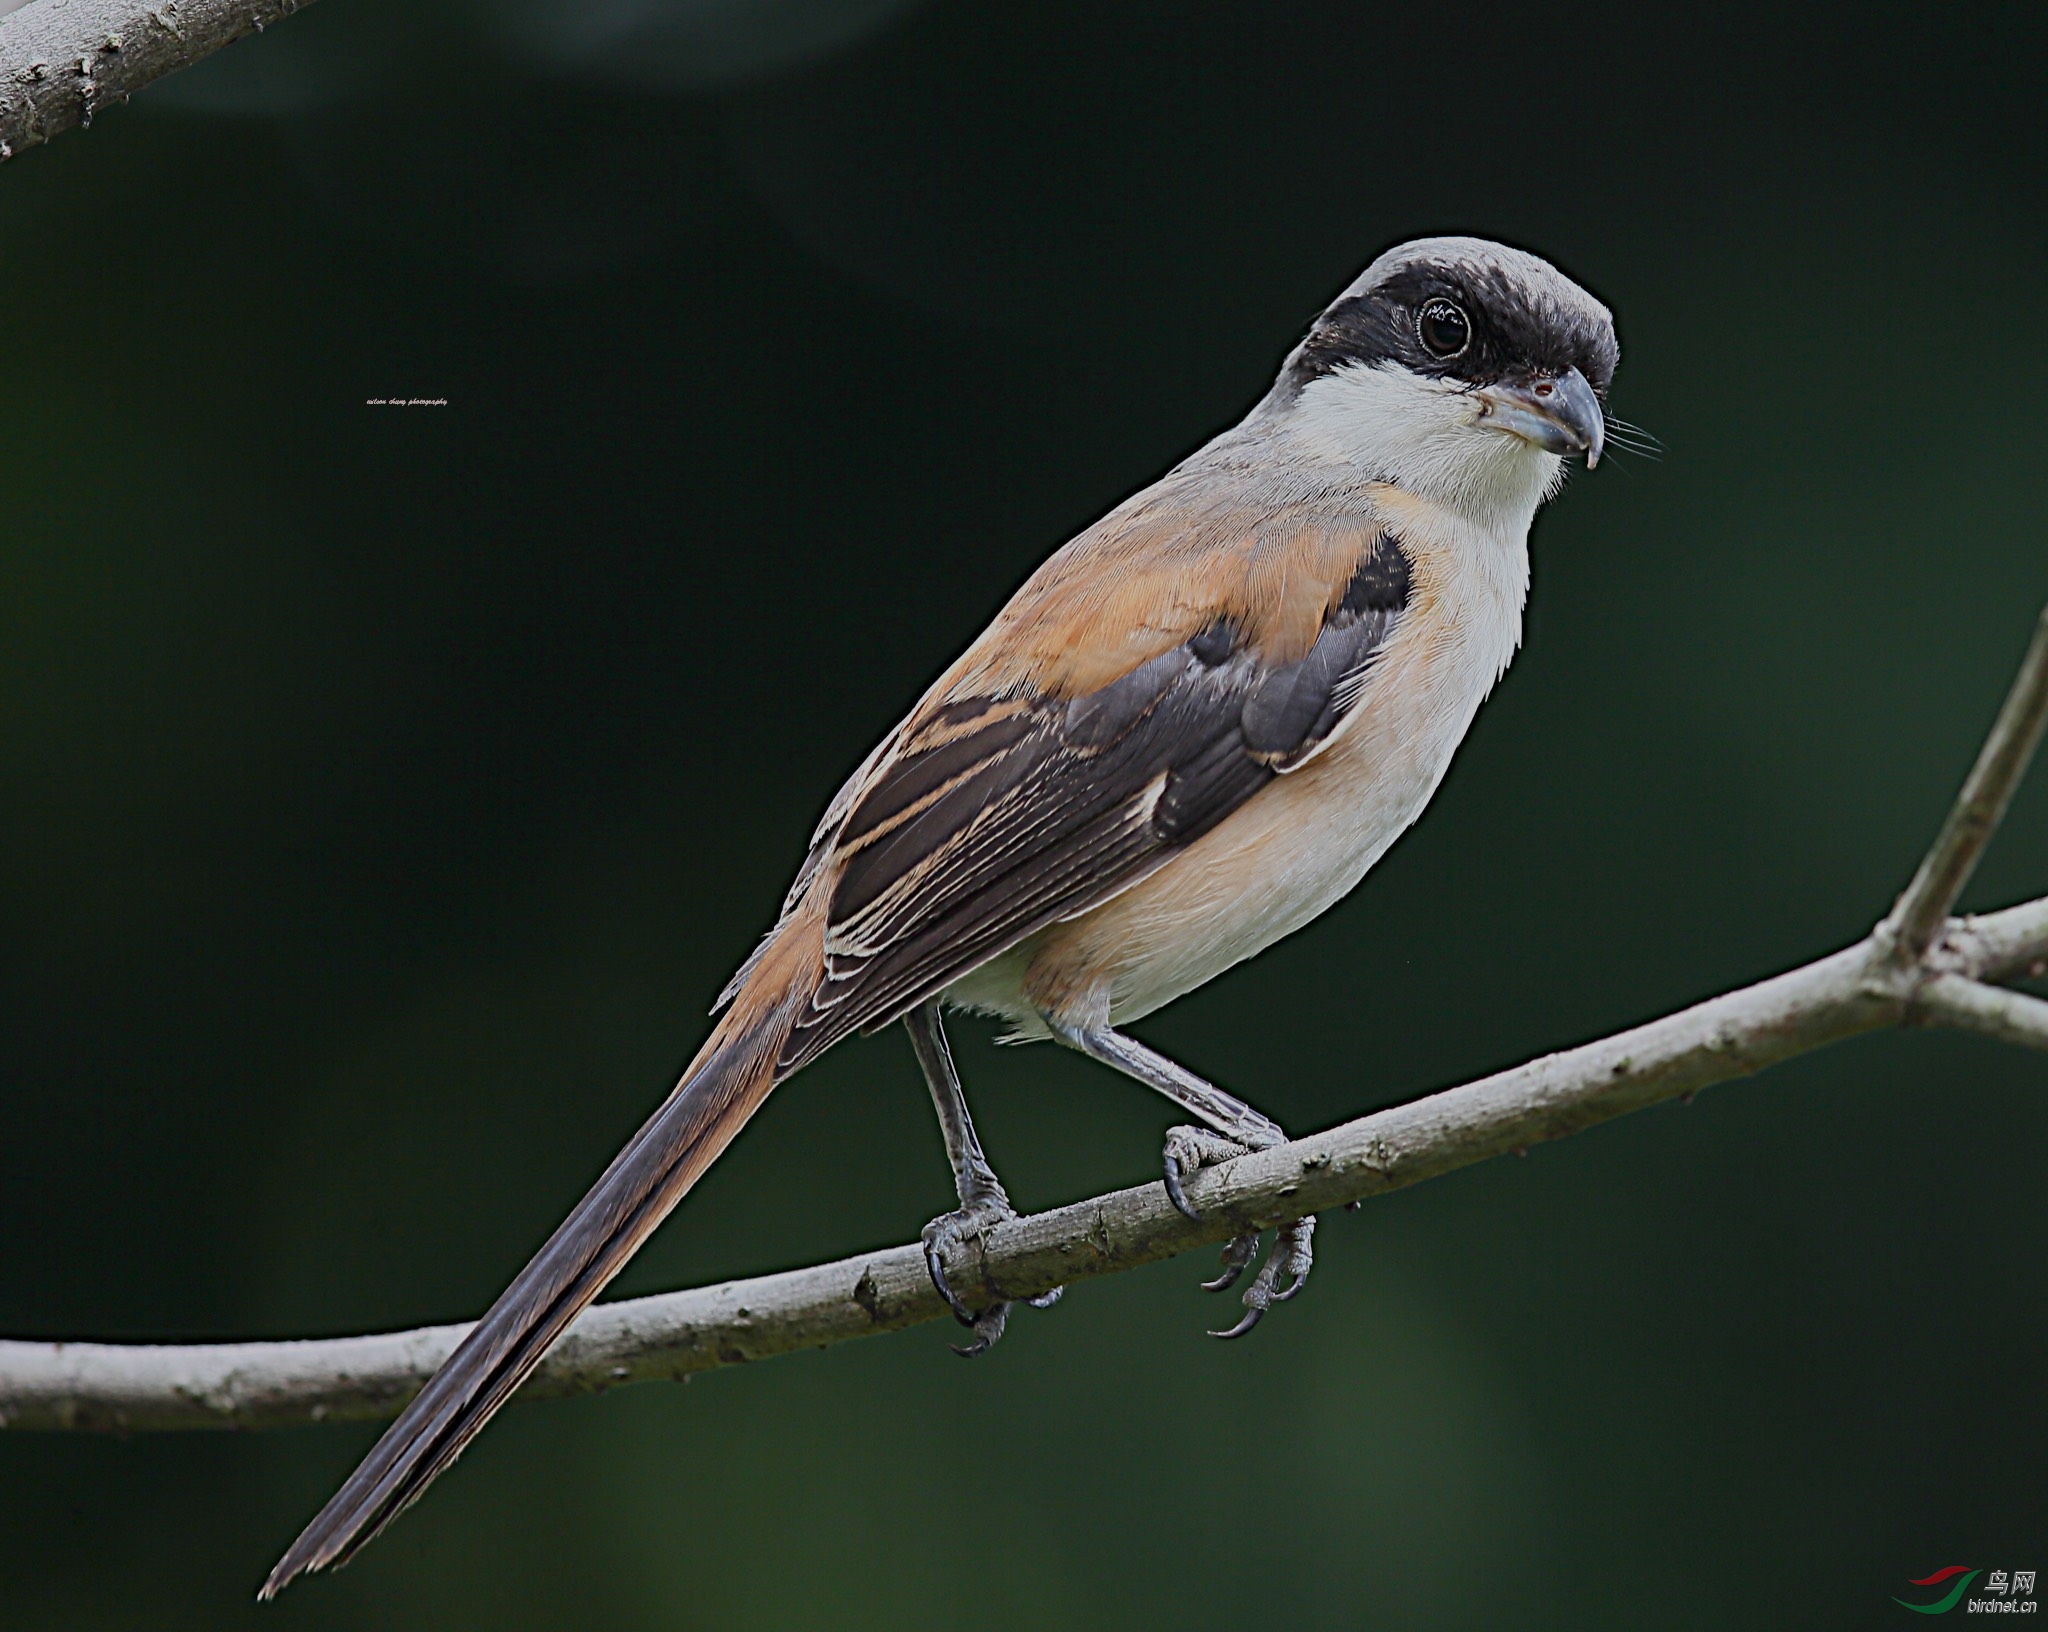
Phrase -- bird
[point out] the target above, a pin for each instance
(1192, 730)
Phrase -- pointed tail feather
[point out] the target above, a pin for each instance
(723, 1087)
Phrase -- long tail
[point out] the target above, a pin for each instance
(722, 1088)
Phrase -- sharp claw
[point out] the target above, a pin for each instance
(937, 1271)
(1239, 1251)
(974, 1219)
(1299, 1260)
(988, 1326)
(1252, 1317)
(1188, 1149)
(1298, 1240)
(1290, 1261)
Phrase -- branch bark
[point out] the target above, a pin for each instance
(1878, 982)
(62, 61)
(2011, 1017)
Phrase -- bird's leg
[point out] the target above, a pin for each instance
(983, 1201)
(1237, 1128)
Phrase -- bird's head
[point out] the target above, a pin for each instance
(1462, 370)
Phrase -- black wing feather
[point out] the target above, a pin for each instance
(1004, 814)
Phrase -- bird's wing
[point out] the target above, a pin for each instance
(1023, 792)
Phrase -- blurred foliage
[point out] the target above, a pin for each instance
(385, 793)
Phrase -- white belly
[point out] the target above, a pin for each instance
(1305, 840)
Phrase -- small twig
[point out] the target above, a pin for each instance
(62, 61)
(1859, 989)
(2011, 1017)
(1921, 911)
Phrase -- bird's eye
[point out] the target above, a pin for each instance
(1444, 329)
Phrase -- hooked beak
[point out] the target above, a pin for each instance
(1558, 413)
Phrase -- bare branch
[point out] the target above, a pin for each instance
(1999, 945)
(62, 61)
(1922, 910)
(2011, 1017)
(131, 1387)
(1859, 989)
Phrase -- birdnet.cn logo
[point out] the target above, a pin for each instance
(2004, 1592)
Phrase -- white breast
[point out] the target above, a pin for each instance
(1460, 499)
(1305, 840)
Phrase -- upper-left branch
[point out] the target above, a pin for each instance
(61, 61)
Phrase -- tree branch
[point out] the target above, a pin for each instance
(61, 61)
(2001, 762)
(2011, 1017)
(1862, 988)
(1998, 945)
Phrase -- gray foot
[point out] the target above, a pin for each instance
(951, 1232)
(1285, 1272)
(1287, 1265)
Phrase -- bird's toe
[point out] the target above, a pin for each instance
(1284, 1273)
(950, 1234)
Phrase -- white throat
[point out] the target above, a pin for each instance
(1427, 437)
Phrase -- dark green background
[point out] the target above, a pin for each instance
(385, 795)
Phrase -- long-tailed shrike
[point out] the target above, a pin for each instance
(1192, 730)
